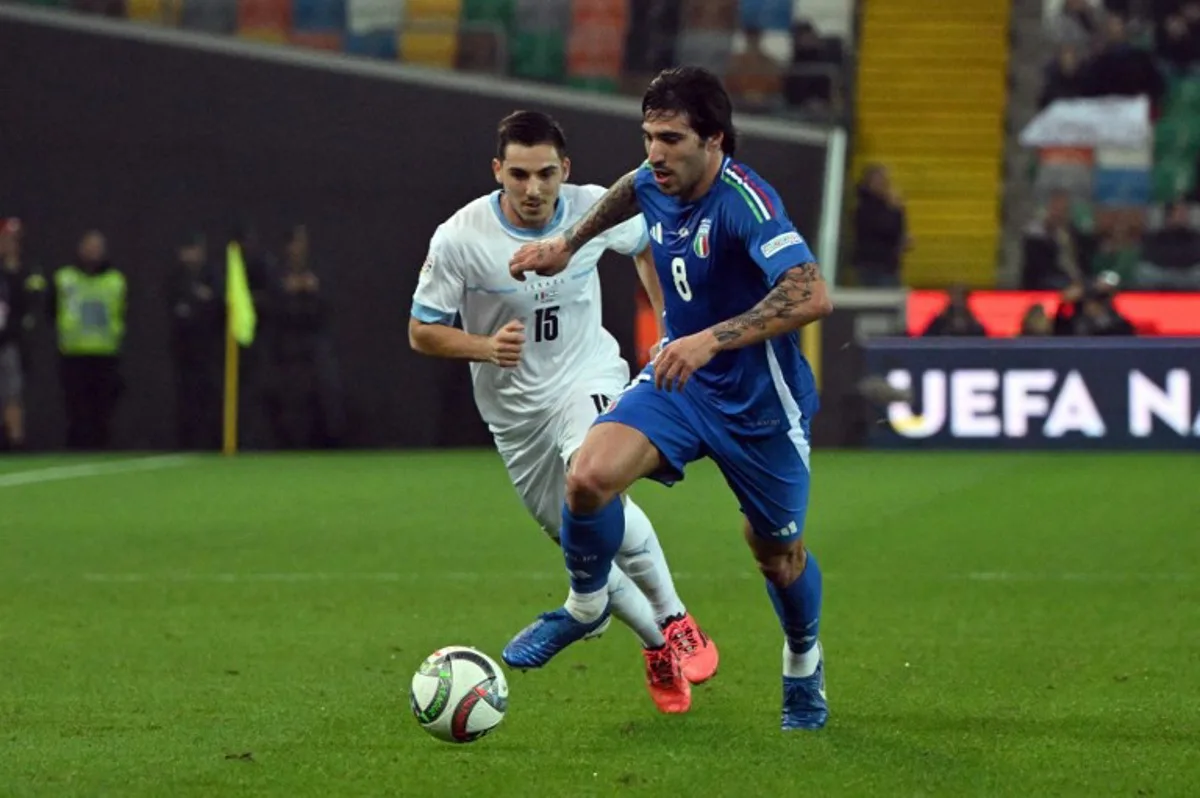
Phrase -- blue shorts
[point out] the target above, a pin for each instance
(768, 471)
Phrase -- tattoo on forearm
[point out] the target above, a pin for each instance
(617, 205)
(789, 300)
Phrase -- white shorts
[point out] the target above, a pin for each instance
(536, 453)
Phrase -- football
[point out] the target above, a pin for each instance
(459, 694)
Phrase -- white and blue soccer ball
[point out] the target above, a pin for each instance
(459, 694)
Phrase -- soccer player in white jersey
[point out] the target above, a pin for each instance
(543, 368)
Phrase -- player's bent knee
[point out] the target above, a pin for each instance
(589, 488)
(780, 562)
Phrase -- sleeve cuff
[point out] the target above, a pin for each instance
(428, 315)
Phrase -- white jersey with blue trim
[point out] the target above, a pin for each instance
(466, 275)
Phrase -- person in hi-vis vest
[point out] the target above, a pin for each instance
(87, 305)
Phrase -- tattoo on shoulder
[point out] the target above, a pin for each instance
(785, 301)
(618, 204)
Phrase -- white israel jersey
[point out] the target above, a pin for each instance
(566, 347)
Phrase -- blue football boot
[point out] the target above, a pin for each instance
(804, 704)
(538, 643)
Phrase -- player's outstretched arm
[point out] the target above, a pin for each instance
(552, 255)
(800, 297)
(441, 340)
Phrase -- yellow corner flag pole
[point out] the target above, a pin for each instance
(239, 332)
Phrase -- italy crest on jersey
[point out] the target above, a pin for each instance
(700, 242)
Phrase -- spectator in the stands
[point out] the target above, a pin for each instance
(808, 85)
(1088, 309)
(1077, 23)
(1035, 323)
(1121, 69)
(957, 319)
(880, 230)
(1177, 42)
(1064, 77)
(1171, 256)
(1119, 250)
(1055, 249)
(754, 79)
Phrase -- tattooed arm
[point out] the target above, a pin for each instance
(552, 255)
(799, 298)
(617, 205)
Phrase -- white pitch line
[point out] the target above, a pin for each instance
(38, 476)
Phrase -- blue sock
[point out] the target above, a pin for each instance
(590, 542)
(799, 607)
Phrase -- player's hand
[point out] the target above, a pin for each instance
(656, 348)
(548, 257)
(681, 358)
(507, 344)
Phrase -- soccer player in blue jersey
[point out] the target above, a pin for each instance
(730, 382)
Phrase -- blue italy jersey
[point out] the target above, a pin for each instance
(716, 258)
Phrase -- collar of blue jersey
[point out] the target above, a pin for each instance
(560, 211)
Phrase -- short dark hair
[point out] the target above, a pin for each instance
(529, 128)
(698, 93)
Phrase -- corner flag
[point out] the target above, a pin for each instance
(239, 331)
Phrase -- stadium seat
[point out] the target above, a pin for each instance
(498, 11)
(542, 16)
(373, 17)
(538, 56)
(264, 20)
(1177, 134)
(711, 15)
(479, 50)
(599, 13)
(595, 51)
(765, 15)
(318, 40)
(1183, 93)
(432, 49)
(652, 30)
(1172, 177)
(210, 16)
(319, 16)
(375, 44)
(421, 10)
(159, 12)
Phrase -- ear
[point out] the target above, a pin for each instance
(714, 142)
(497, 168)
(566, 169)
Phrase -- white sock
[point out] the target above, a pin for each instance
(642, 559)
(588, 607)
(631, 607)
(801, 665)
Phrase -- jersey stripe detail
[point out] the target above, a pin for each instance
(756, 207)
(791, 408)
(752, 187)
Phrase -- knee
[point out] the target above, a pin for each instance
(590, 486)
(782, 566)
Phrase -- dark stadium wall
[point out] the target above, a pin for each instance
(148, 142)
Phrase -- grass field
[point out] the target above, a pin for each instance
(994, 625)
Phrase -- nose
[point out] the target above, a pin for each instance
(656, 153)
(533, 187)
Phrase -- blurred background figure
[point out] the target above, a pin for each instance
(1088, 310)
(1055, 249)
(1170, 257)
(1035, 323)
(957, 319)
(87, 306)
(308, 396)
(755, 79)
(880, 230)
(17, 290)
(197, 304)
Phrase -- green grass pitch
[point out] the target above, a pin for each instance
(995, 624)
